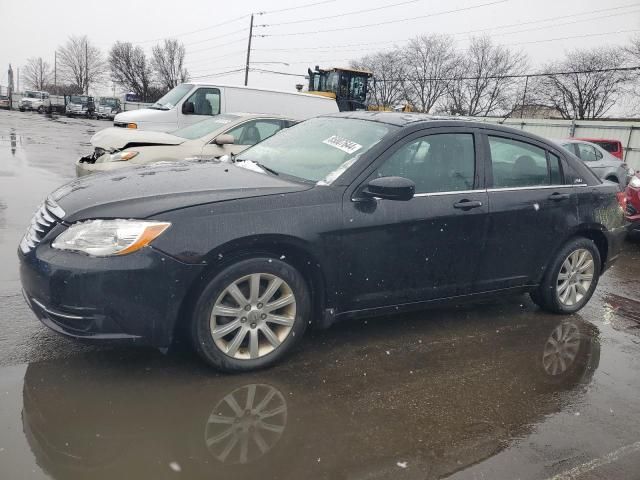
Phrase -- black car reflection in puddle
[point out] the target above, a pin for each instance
(439, 406)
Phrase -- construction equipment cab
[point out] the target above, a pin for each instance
(347, 85)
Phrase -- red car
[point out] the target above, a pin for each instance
(633, 203)
(614, 147)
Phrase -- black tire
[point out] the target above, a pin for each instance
(21, 109)
(41, 109)
(200, 329)
(546, 296)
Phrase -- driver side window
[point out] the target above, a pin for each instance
(206, 101)
(436, 163)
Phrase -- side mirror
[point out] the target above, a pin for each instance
(188, 108)
(224, 139)
(391, 188)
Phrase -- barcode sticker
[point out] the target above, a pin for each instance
(343, 144)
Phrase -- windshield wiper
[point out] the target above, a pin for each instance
(158, 107)
(265, 168)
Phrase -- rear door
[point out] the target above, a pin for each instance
(428, 247)
(531, 210)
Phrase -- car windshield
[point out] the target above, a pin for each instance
(78, 99)
(111, 102)
(320, 149)
(171, 98)
(205, 127)
(32, 94)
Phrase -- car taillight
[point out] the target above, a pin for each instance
(622, 200)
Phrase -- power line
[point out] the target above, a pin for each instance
(226, 22)
(388, 22)
(219, 74)
(573, 36)
(339, 15)
(209, 59)
(241, 30)
(346, 46)
(522, 75)
(216, 46)
(267, 12)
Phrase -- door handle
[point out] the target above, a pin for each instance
(467, 204)
(556, 197)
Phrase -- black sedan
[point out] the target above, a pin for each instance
(340, 216)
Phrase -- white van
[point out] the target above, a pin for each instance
(192, 102)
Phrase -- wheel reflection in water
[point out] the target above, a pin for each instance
(246, 424)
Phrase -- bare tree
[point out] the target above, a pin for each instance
(168, 63)
(37, 73)
(81, 63)
(389, 73)
(130, 69)
(591, 89)
(430, 63)
(484, 81)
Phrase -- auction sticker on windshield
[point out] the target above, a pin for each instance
(343, 144)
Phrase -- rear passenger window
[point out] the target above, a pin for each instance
(436, 163)
(554, 168)
(517, 164)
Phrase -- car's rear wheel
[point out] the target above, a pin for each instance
(250, 314)
(571, 278)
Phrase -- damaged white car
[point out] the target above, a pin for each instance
(207, 140)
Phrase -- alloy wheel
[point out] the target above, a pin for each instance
(575, 277)
(253, 316)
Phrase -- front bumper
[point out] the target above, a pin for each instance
(134, 298)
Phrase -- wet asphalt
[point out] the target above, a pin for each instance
(495, 390)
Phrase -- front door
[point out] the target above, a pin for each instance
(531, 209)
(428, 247)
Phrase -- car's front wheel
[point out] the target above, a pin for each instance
(250, 314)
(571, 278)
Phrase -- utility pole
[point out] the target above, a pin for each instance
(246, 68)
(18, 89)
(524, 95)
(55, 71)
(86, 66)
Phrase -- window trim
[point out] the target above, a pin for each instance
(367, 174)
(529, 141)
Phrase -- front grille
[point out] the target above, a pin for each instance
(48, 215)
(120, 124)
(631, 210)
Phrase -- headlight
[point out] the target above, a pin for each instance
(635, 182)
(103, 238)
(123, 156)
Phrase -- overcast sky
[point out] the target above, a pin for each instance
(31, 28)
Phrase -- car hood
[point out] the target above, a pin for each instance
(143, 115)
(115, 138)
(147, 190)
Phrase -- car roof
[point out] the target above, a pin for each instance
(244, 87)
(402, 119)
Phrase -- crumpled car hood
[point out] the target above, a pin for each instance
(114, 138)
